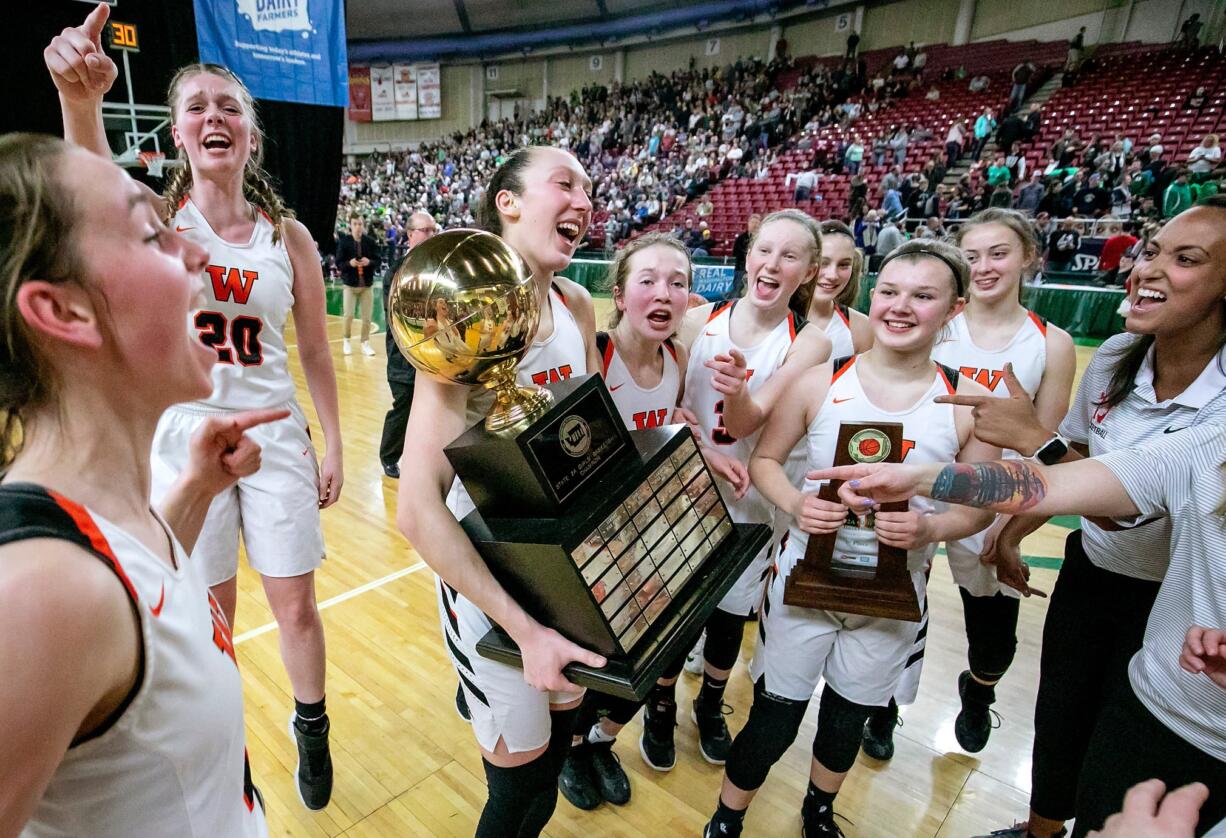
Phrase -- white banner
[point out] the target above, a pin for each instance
(382, 93)
(429, 92)
(405, 87)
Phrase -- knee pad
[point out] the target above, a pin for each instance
(769, 731)
(840, 725)
(515, 795)
(723, 644)
(991, 633)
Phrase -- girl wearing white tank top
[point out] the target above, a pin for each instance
(232, 207)
(827, 301)
(743, 357)
(539, 201)
(643, 370)
(1013, 353)
(121, 712)
(919, 289)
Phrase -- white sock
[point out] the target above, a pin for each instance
(597, 736)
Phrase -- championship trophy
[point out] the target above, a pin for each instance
(849, 570)
(616, 539)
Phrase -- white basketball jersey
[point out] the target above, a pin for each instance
(929, 433)
(839, 332)
(561, 355)
(1027, 351)
(249, 289)
(640, 408)
(174, 761)
(707, 404)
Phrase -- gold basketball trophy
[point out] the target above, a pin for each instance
(850, 570)
(619, 540)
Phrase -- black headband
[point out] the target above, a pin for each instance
(949, 263)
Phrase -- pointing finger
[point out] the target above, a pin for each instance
(965, 401)
(95, 23)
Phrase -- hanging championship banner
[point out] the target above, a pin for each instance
(404, 86)
(429, 92)
(382, 93)
(359, 93)
(287, 50)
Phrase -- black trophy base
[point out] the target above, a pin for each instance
(631, 676)
(852, 593)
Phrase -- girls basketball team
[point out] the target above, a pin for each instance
(106, 733)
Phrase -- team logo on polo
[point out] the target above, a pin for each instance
(868, 446)
(575, 436)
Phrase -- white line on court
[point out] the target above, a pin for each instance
(339, 598)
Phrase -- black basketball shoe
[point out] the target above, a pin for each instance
(313, 776)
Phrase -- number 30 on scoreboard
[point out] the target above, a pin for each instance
(122, 36)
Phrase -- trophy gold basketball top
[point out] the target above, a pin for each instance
(617, 539)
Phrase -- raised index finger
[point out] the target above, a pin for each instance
(95, 23)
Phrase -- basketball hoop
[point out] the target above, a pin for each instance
(154, 161)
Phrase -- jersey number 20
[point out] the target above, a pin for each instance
(242, 334)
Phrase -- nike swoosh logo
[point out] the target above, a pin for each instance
(157, 609)
(183, 229)
(840, 401)
(1173, 430)
(618, 387)
(711, 334)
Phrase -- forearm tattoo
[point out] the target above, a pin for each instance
(1007, 486)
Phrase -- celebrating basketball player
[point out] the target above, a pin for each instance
(539, 201)
(994, 333)
(919, 290)
(826, 301)
(744, 356)
(122, 710)
(643, 368)
(262, 266)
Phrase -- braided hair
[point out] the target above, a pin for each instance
(258, 186)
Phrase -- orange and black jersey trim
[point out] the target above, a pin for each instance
(29, 511)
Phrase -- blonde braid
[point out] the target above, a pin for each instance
(257, 185)
(177, 186)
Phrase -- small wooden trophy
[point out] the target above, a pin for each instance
(849, 570)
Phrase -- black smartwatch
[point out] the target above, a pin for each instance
(1052, 451)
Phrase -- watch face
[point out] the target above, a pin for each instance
(1051, 452)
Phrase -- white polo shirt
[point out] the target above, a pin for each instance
(1183, 478)
(1143, 550)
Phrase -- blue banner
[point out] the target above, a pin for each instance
(713, 281)
(288, 50)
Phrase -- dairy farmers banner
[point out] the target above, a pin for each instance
(287, 50)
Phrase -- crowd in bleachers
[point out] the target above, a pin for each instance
(869, 138)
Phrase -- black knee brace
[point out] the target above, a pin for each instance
(723, 644)
(597, 706)
(840, 725)
(770, 730)
(991, 633)
(514, 795)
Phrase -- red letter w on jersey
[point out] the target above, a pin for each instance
(552, 375)
(650, 418)
(230, 283)
(988, 378)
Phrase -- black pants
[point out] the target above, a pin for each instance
(1095, 624)
(1131, 745)
(991, 633)
(394, 423)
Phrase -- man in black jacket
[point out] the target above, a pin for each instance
(357, 257)
(400, 373)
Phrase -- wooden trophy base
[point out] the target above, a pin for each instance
(851, 594)
(884, 591)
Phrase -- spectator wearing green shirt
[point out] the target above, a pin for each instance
(1178, 196)
(999, 173)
